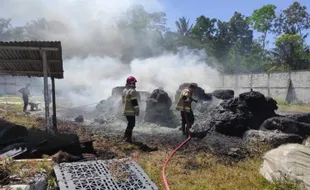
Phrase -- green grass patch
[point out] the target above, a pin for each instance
(16, 99)
(203, 172)
(296, 106)
(13, 113)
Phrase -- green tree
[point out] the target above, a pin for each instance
(290, 52)
(138, 19)
(293, 20)
(240, 32)
(231, 42)
(262, 20)
(144, 32)
(183, 26)
(204, 29)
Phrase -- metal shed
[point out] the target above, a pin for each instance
(34, 59)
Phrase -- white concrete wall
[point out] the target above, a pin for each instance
(271, 84)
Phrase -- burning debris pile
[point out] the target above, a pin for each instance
(223, 94)
(158, 109)
(200, 94)
(235, 116)
(247, 118)
(291, 124)
(110, 110)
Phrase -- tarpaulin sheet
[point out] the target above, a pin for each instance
(290, 161)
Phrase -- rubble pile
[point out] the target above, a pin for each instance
(235, 116)
(9, 131)
(158, 109)
(272, 138)
(287, 125)
(34, 143)
(223, 94)
(110, 110)
(200, 94)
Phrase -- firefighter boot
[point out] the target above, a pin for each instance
(128, 136)
(188, 127)
(183, 129)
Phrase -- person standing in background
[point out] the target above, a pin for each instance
(25, 93)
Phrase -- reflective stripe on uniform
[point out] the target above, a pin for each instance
(181, 107)
(129, 111)
(187, 105)
(128, 95)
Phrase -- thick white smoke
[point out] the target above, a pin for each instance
(167, 71)
(92, 34)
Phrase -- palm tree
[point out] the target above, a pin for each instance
(183, 26)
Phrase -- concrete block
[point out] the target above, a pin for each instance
(300, 79)
(229, 81)
(259, 80)
(278, 79)
(244, 80)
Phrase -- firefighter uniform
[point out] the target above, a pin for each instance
(184, 106)
(130, 109)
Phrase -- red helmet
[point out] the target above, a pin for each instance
(131, 80)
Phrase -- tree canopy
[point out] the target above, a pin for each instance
(230, 45)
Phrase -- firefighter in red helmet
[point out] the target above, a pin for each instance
(130, 106)
(184, 106)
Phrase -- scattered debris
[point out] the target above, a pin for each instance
(79, 119)
(61, 157)
(272, 138)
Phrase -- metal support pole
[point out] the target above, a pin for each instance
(54, 106)
(47, 120)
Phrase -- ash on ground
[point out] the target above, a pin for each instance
(224, 124)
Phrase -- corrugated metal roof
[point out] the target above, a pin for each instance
(24, 58)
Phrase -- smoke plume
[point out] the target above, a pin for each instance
(93, 45)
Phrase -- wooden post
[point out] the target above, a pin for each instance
(54, 106)
(47, 119)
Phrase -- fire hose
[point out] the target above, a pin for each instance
(176, 149)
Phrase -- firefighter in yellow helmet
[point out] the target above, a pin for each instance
(130, 106)
(184, 106)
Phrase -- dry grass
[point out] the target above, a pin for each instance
(197, 170)
(186, 171)
(24, 172)
(293, 107)
(14, 114)
(202, 171)
(17, 99)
